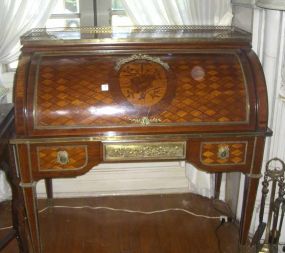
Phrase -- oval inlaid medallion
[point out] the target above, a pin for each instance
(145, 87)
(143, 83)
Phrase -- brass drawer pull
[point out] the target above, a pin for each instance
(224, 152)
(62, 157)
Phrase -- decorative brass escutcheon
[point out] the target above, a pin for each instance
(62, 157)
(224, 152)
(146, 57)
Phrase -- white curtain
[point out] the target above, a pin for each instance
(282, 88)
(179, 12)
(17, 17)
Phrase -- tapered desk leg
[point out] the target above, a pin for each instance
(30, 198)
(28, 185)
(250, 190)
(19, 223)
(49, 190)
(218, 181)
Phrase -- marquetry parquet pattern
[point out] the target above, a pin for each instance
(210, 151)
(47, 157)
(204, 88)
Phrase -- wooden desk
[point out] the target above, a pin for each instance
(92, 95)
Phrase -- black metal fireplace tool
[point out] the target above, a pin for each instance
(274, 178)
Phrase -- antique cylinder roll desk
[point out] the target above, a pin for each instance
(92, 95)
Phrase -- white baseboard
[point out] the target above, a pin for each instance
(123, 179)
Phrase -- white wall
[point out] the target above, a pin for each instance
(122, 179)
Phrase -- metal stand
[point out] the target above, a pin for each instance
(274, 177)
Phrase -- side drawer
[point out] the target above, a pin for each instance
(221, 154)
(68, 157)
(65, 158)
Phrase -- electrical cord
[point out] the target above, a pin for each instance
(227, 213)
(221, 217)
(141, 212)
(5, 228)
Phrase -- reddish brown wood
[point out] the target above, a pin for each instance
(73, 97)
(7, 239)
(82, 157)
(261, 90)
(19, 94)
(49, 189)
(251, 185)
(30, 200)
(73, 231)
(209, 88)
(65, 101)
(203, 153)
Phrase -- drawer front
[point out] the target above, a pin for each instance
(223, 153)
(62, 157)
(151, 151)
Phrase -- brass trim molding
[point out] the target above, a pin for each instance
(144, 151)
(253, 155)
(254, 176)
(128, 138)
(145, 121)
(61, 35)
(28, 185)
(146, 57)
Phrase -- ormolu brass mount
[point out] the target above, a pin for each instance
(274, 178)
